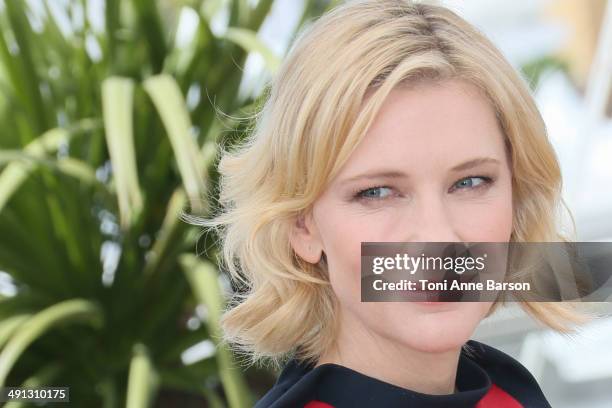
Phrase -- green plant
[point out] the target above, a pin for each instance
(100, 152)
(534, 69)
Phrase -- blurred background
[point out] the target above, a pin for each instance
(111, 113)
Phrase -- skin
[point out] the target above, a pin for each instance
(423, 132)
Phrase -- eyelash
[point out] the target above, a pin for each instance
(359, 195)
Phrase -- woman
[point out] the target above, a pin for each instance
(389, 121)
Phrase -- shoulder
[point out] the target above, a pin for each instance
(292, 388)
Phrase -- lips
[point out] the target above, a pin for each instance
(424, 294)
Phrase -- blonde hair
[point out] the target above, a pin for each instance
(319, 106)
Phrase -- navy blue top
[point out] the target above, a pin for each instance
(485, 371)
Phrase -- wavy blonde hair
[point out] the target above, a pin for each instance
(318, 107)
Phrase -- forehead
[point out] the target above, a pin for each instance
(430, 125)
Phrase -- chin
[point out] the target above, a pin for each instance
(432, 342)
(434, 328)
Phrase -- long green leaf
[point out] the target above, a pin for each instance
(67, 165)
(37, 325)
(210, 8)
(28, 84)
(259, 14)
(169, 224)
(117, 96)
(142, 381)
(111, 19)
(248, 40)
(152, 29)
(169, 101)
(9, 325)
(203, 279)
(14, 175)
(239, 13)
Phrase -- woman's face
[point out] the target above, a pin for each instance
(448, 179)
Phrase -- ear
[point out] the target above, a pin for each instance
(304, 238)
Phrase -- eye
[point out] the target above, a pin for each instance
(468, 182)
(372, 193)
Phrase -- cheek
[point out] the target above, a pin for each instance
(342, 237)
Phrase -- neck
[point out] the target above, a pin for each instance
(384, 359)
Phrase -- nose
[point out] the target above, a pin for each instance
(431, 220)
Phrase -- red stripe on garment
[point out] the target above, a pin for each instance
(495, 398)
(318, 404)
(498, 398)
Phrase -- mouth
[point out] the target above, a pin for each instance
(428, 295)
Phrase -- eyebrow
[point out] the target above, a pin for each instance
(474, 162)
(394, 174)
